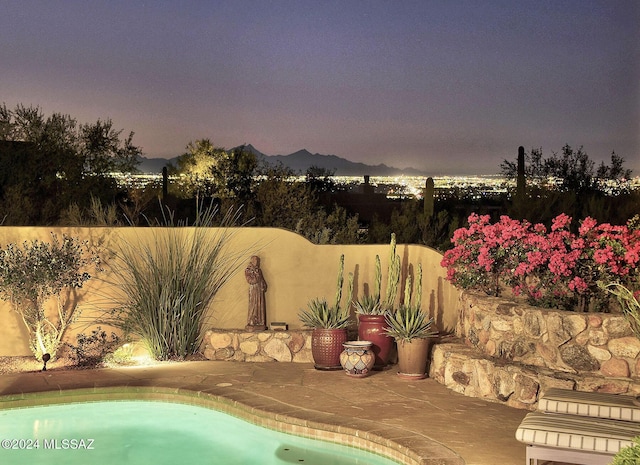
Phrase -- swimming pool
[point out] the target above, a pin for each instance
(144, 432)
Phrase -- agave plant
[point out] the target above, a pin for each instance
(320, 315)
(409, 322)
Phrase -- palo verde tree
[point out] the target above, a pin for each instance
(53, 161)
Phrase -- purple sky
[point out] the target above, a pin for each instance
(449, 87)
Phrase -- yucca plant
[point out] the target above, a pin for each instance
(169, 282)
(408, 321)
(319, 314)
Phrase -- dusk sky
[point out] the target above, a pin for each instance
(448, 87)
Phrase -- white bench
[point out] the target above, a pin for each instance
(585, 428)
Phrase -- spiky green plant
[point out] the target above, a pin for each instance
(374, 304)
(319, 314)
(393, 276)
(169, 281)
(628, 302)
(408, 321)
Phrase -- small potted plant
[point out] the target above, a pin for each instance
(329, 325)
(412, 330)
(372, 308)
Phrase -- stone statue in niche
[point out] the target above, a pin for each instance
(257, 318)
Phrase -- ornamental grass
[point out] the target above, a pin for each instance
(169, 281)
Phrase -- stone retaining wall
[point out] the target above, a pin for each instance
(262, 346)
(596, 343)
(512, 353)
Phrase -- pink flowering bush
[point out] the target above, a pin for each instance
(555, 268)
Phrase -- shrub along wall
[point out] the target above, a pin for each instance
(295, 271)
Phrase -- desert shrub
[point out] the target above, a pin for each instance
(91, 350)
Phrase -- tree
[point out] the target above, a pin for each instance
(573, 169)
(211, 171)
(194, 168)
(54, 161)
(36, 271)
(614, 172)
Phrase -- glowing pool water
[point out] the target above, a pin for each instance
(158, 433)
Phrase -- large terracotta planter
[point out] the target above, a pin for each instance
(326, 347)
(412, 358)
(371, 328)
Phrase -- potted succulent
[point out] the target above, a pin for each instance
(411, 329)
(371, 309)
(329, 325)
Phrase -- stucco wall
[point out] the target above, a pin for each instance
(295, 271)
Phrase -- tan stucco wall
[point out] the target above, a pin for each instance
(295, 271)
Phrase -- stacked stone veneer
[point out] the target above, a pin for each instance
(262, 346)
(512, 353)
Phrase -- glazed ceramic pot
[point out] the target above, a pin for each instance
(357, 358)
(326, 347)
(372, 328)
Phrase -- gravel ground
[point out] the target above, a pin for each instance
(28, 364)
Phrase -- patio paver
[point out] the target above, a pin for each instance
(422, 415)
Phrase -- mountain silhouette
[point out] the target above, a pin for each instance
(300, 162)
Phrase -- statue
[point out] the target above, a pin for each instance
(256, 320)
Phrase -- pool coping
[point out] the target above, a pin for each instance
(283, 422)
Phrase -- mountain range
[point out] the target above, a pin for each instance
(300, 162)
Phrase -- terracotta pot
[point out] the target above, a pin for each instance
(326, 346)
(371, 328)
(357, 358)
(412, 358)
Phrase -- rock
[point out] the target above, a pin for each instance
(597, 337)
(578, 358)
(533, 323)
(526, 389)
(617, 326)
(278, 350)
(615, 368)
(209, 353)
(219, 340)
(490, 348)
(575, 324)
(595, 321)
(460, 378)
(504, 385)
(624, 347)
(249, 347)
(296, 343)
(548, 354)
(558, 335)
(599, 353)
(226, 353)
(502, 325)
